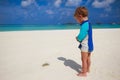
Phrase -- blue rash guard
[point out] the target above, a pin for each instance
(86, 29)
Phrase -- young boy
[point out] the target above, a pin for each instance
(85, 39)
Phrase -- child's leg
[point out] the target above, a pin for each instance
(88, 62)
(84, 58)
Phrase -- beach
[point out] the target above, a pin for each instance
(54, 55)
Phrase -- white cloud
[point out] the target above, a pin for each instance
(49, 12)
(103, 4)
(88, 2)
(73, 2)
(58, 3)
(104, 15)
(26, 3)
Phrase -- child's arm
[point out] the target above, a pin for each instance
(83, 32)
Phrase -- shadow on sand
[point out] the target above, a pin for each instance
(72, 64)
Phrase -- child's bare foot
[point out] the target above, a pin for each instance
(88, 71)
(82, 74)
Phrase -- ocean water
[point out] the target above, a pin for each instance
(51, 27)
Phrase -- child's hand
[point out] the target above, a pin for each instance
(77, 39)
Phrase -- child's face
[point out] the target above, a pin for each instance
(79, 19)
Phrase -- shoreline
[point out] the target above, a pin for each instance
(50, 27)
(57, 30)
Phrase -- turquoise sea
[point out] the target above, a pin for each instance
(51, 27)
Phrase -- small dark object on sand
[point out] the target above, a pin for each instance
(45, 64)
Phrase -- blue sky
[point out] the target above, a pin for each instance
(57, 11)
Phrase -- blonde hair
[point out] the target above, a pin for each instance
(81, 11)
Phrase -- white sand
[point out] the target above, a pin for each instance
(22, 54)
